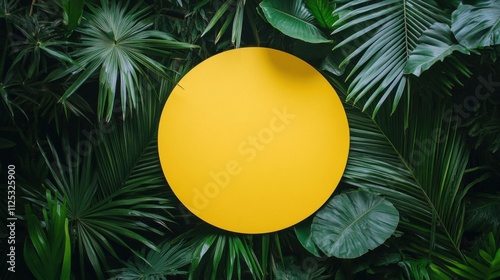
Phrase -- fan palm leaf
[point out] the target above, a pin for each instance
(420, 170)
(169, 261)
(128, 198)
(382, 35)
(119, 44)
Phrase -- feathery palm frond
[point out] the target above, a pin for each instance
(220, 254)
(129, 196)
(420, 170)
(169, 261)
(386, 31)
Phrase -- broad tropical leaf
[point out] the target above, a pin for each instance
(304, 235)
(435, 44)
(353, 223)
(382, 34)
(477, 25)
(293, 19)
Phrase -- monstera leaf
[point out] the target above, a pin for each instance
(352, 223)
(477, 25)
(434, 45)
(293, 19)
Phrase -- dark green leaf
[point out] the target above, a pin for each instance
(353, 223)
(304, 235)
(435, 44)
(379, 36)
(217, 16)
(323, 12)
(484, 266)
(150, 264)
(477, 25)
(420, 170)
(483, 213)
(73, 11)
(6, 143)
(293, 19)
(47, 251)
(119, 41)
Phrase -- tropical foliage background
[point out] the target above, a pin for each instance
(83, 83)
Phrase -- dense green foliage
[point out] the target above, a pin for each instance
(83, 83)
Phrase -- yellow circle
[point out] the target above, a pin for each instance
(253, 140)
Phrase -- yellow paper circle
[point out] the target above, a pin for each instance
(253, 140)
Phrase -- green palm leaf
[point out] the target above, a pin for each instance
(477, 25)
(120, 43)
(420, 170)
(220, 255)
(382, 34)
(353, 223)
(124, 196)
(486, 265)
(151, 264)
(294, 19)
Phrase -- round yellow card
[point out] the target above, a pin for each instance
(253, 140)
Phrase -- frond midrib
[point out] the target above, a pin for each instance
(417, 183)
